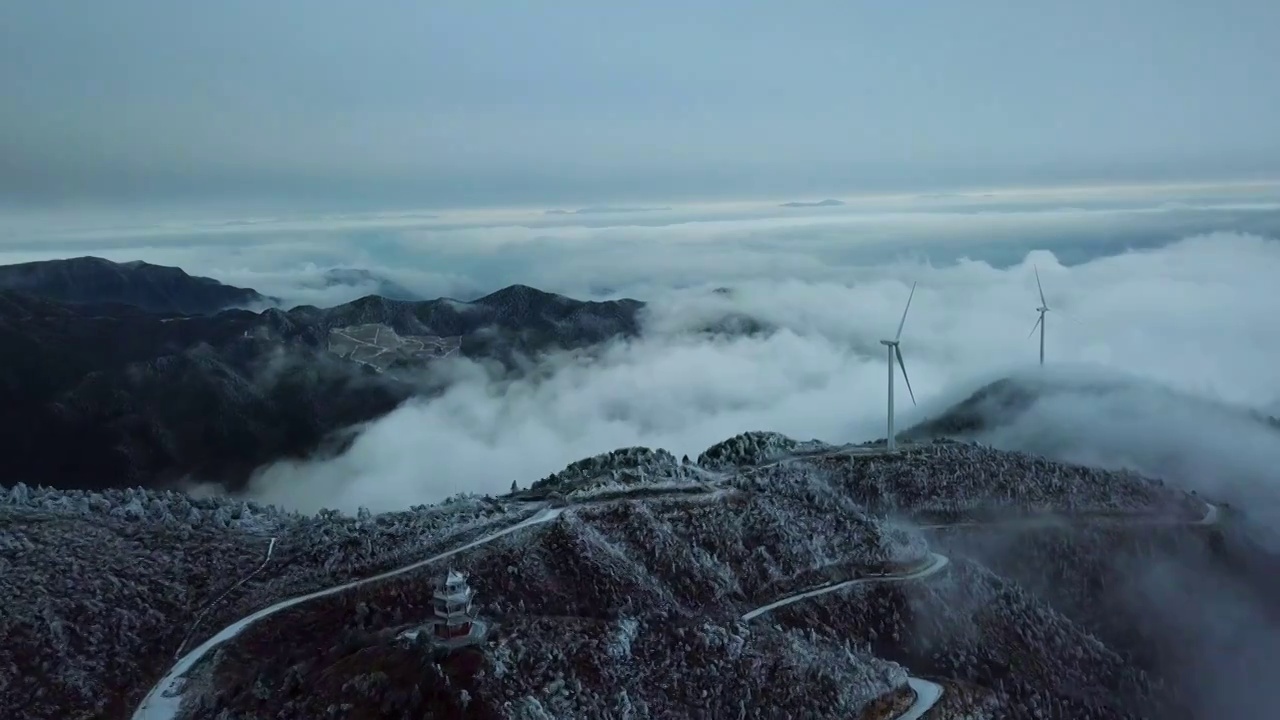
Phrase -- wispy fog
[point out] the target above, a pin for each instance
(1191, 319)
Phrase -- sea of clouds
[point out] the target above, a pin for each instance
(1174, 296)
(1182, 328)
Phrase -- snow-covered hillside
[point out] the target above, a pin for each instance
(627, 601)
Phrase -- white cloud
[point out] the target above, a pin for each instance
(466, 253)
(1193, 316)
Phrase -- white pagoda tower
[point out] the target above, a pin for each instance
(453, 623)
(454, 615)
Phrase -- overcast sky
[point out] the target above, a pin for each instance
(447, 103)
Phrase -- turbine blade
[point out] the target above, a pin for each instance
(1033, 327)
(1040, 287)
(898, 351)
(903, 321)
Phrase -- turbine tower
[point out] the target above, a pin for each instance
(1044, 308)
(896, 353)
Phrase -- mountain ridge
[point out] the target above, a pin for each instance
(155, 288)
(161, 397)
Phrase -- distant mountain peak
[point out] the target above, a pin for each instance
(829, 202)
(386, 287)
(517, 293)
(602, 210)
(154, 288)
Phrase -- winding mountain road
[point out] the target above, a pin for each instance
(936, 563)
(164, 700)
(927, 693)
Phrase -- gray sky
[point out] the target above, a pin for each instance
(455, 103)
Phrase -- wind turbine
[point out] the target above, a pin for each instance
(896, 352)
(1044, 308)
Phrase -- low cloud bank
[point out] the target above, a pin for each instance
(1191, 317)
(464, 254)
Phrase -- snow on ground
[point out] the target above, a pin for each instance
(654, 507)
(164, 700)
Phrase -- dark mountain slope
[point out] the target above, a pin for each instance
(155, 288)
(505, 325)
(212, 415)
(148, 399)
(49, 344)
